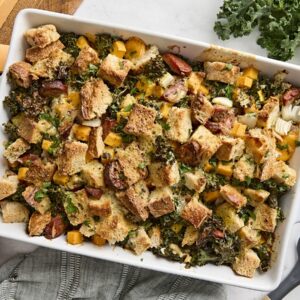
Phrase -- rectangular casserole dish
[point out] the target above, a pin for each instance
(29, 18)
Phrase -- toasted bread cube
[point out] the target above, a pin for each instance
(208, 142)
(29, 131)
(155, 236)
(231, 148)
(190, 237)
(72, 158)
(225, 169)
(180, 123)
(256, 197)
(269, 113)
(230, 218)
(98, 240)
(202, 109)
(131, 160)
(266, 218)
(21, 73)
(250, 237)
(161, 202)
(135, 199)
(14, 212)
(114, 228)
(162, 174)
(195, 181)
(42, 35)
(233, 196)
(101, 207)
(88, 227)
(114, 69)
(285, 174)
(166, 80)
(141, 120)
(38, 222)
(140, 242)
(95, 98)
(76, 206)
(40, 172)
(86, 57)
(244, 168)
(222, 72)
(139, 63)
(246, 263)
(195, 212)
(96, 144)
(92, 173)
(8, 186)
(74, 237)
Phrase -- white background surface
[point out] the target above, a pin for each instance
(186, 18)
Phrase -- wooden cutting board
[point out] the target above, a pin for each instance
(10, 8)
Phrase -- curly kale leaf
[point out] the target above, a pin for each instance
(277, 20)
(103, 44)
(69, 39)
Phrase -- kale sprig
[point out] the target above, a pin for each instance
(277, 20)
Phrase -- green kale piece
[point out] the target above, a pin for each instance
(103, 44)
(155, 68)
(11, 130)
(69, 39)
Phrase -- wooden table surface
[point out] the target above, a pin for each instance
(66, 6)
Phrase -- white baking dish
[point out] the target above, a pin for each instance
(31, 18)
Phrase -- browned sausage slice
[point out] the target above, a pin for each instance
(189, 153)
(55, 228)
(53, 88)
(177, 64)
(114, 176)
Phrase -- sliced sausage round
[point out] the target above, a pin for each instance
(114, 176)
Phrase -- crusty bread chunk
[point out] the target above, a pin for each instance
(38, 222)
(21, 73)
(195, 181)
(35, 54)
(115, 227)
(95, 98)
(266, 218)
(96, 144)
(139, 63)
(76, 206)
(162, 174)
(249, 237)
(268, 115)
(140, 121)
(28, 129)
(15, 150)
(161, 202)
(140, 242)
(155, 236)
(135, 199)
(233, 196)
(101, 207)
(231, 148)
(195, 212)
(180, 123)
(256, 197)
(114, 69)
(88, 227)
(208, 142)
(230, 218)
(246, 263)
(14, 212)
(219, 71)
(244, 168)
(8, 186)
(86, 57)
(92, 174)
(72, 158)
(131, 159)
(202, 109)
(47, 67)
(190, 237)
(42, 36)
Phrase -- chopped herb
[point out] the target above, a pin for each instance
(164, 125)
(70, 207)
(184, 168)
(128, 108)
(282, 147)
(142, 165)
(69, 39)
(51, 119)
